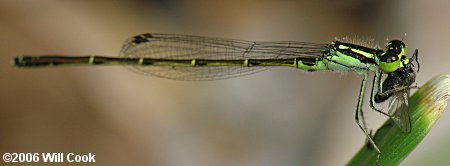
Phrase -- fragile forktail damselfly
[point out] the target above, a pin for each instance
(185, 57)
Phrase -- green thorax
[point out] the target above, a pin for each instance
(342, 56)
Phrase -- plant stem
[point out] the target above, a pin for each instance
(425, 105)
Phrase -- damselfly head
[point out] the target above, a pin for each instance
(392, 58)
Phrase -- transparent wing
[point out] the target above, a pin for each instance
(398, 109)
(170, 46)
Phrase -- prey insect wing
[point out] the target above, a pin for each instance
(398, 109)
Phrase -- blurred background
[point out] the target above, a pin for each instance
(278, 117)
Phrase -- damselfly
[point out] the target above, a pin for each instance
(184, 57)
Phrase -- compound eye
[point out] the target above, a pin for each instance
(395, 46)
(389, 63)
(389, 58)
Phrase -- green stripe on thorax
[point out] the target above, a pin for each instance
(346, 56)
(360, 53)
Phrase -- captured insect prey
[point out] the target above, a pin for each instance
(195, 58)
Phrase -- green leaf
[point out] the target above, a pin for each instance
(426, 105)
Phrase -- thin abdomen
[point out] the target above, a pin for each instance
(48, 61)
